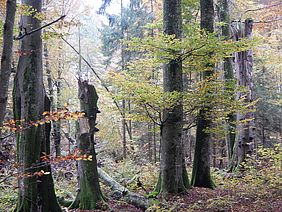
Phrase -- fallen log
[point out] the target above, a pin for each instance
(120, 192)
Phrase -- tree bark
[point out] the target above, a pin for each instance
(149, 140)
(36, 193)
(244, 67)
(173, 176)
(229, 78)
(201, 176)
(6, 59)
(89, 196)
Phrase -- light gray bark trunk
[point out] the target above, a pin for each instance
(120, 192)
(244, 68)
(6, 59)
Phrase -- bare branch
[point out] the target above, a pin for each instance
(262, 8)
(38, 29)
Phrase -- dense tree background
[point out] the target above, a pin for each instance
(188, 90)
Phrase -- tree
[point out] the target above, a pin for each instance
(6, 59)
(201, 176)
(228, 77)
(173, 177)
(244, 67)
(89, 195)
(36, 188)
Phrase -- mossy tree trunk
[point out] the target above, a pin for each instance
(89, 196)
(201, 176)
(173, 177)
(6, 58)
(36, 193)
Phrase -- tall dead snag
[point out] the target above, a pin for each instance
(244, 68)
(36, 187)
(6, 59)
(89, 195)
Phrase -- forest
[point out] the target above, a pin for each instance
(141, 105)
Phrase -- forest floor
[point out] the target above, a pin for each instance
(257, 189)
(217, 200)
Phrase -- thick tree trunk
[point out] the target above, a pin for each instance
(244, 67)
(36, 193)
(201, 176)
(89, 196)
(6, 59)
(173, 176)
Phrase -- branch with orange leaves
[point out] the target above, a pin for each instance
(46, 160)
(21, 125)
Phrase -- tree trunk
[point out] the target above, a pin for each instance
(120, 192)
(229, 78)
(201, 176)
(150, 147)
(6, 59)
(57, 125)
(89, 196)
(173, 176)
(244, 67)
(36, 193)
(154, 143)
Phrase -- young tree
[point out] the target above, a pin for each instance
(201, 176)
(173, 177)
(36, 188)
(6, 58)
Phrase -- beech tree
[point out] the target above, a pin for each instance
(173, 177)
(201, 176)
(36, 188)
(6, 59)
